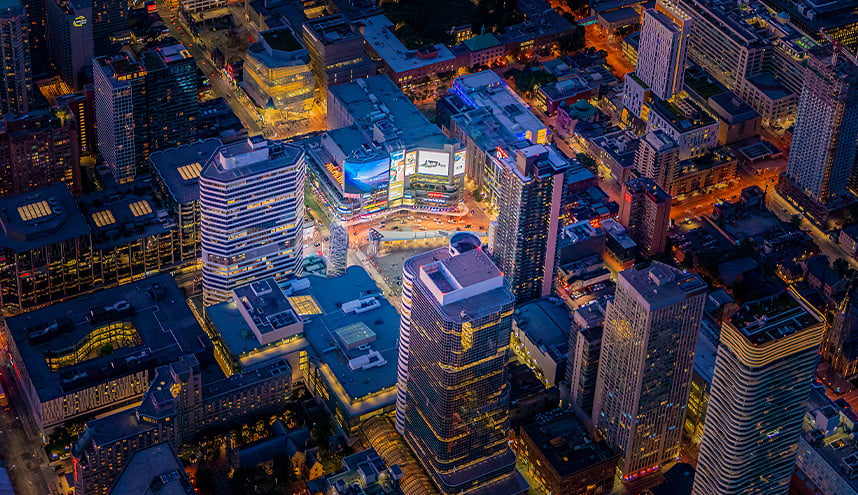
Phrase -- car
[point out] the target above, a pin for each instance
(316, 244)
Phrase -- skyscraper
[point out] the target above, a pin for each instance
(108, 17)
(251, 215)
(338, 247)
(457, 411)
(825, 139)
(69, 37)
(763, 372)
(840, 347)
(38, 149)
(526, 237)
(657, 157)
(336, 52)
(120, 102)
(645, 365)
(16, 78)
(661, 53)
(144, 105)
(645, 213)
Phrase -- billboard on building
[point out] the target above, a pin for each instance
(433, 163)
(366, 176)
(459, 163)
(397, 176)
(410, 163)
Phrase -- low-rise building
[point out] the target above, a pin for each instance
(363, 473)
(98, 352)
(277, 72)
(563, 457)
(691, 127)
(540, 331)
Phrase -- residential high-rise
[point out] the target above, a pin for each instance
(646, 363)
(840, 347)
(763, 372)
(336, 52)
(661, 53)
(69, 36)
(16, 78)
(457, 411)
(37, 149)
(459, 243)
(645, 213)
(119, 86)
(825, 141)
(526, 237)
(657, 157)
(144, 105)
(338, 247)
(172, 103)
(251, 215)
(108, 17)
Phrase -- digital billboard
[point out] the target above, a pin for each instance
(397, 176)
(459, 162)
(366, 176)
(410, 163)
(433, 163)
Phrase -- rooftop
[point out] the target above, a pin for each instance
(566, 443)
(155, 470)
(54, 342)
(377, 31)
(179, 168)
(773, 318)
(348, 326)
(487, 89)
(332, 29)
(124, 212)
(546, 324)
(281, 39)
(39, 218)
(660, 285)
(252, 156)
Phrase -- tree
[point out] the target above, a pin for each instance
(841, 266)
(586, 161)
(284, 473)
(795, 221)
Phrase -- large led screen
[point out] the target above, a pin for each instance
(459, 163)
(363, 177)
(433, 163)
(397, 176)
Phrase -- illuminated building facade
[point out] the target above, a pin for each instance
(69, 38)
(661, 52)
(525, 242)
(336, 52)
(763, 373)
(645, 213)
(17, 77)
(251, 215)
(277, 72)
(825, 141)
(46, 249)
(645, 365)
(59, 352)
(143, 105)
(37, 149)
(457, 410)
(177, 172)
(383, 154)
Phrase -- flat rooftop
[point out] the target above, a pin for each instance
(773, 318)
(377, 103)
(378, 34)
(332, 29)
(39, 218)
(566, 443)
(179, 168)
(154, 470)
(357, 348)
(161, 328)
(660, 285)
(281, 39)
(546, 324)
(252, 156)
(487, 89)
(124, 212)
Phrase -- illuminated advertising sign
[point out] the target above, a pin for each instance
(410, 163)
(79, 21)
(459, 162)
(397, 176)
(366, 176)
(433, 163)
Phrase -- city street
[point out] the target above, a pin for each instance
(611, 45)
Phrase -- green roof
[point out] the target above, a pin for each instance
(281, 39)
(481, 42)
